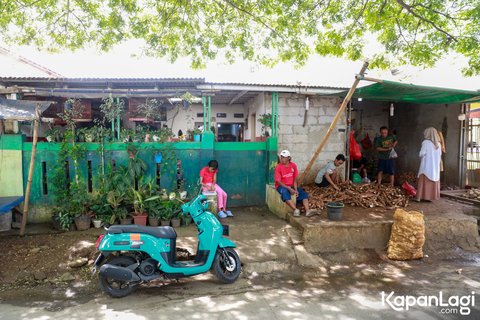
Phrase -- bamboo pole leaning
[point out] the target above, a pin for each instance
(36, 119)
(335, 120)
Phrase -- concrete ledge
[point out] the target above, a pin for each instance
(448, 233)
(275, 203)
(444, 231)
(340, 236)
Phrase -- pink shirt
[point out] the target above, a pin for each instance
(286, 174)
(207, 176)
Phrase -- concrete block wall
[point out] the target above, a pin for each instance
(411, 120)
(303, 141)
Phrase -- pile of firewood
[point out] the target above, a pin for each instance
(359, 195)
(472, 194)
(410, 177)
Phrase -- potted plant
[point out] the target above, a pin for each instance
(122, 214)
(115, 199)
(53, 135)
(126, 135)
(165, 217)
(266, 121)
(79, 205)
(197, 134)
(154, 209)
(175, 205)
(139, 215)
(175, 221)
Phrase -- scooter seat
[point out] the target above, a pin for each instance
(159, 232)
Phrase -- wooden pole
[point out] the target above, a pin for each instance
(30, 170)
(335, 120)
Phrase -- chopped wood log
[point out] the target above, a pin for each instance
(359, 195)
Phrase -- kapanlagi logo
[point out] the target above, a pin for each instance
(449, 305)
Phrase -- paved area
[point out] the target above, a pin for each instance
(339, 292)
(280, 280)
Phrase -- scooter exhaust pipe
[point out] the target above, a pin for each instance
(118, 273)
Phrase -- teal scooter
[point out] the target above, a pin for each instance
(131, 254)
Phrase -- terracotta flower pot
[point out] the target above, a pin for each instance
(140, 220)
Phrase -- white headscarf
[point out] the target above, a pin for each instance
(431, 134)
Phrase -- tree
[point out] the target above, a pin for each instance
(417, 32)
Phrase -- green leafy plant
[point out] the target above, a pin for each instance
(266, 121)
(138, 201)
(111, 109)
(154, 207)
(162, 134)
(136, 166)
(150, 110)
(53, 135)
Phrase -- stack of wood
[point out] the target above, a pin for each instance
(410, 177)
(359, 195)
(472, 194)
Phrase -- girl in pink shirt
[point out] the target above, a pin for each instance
(208, 179)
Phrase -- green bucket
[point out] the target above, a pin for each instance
(334, 210)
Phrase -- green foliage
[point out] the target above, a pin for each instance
(169, 209)
(54, 134)
(138, 200)
(162, 134)
(266, 121)
(413, 32)
(150, 110)
(111, 109)
(136, 166)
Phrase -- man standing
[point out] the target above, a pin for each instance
(286, 174)
(386, 155)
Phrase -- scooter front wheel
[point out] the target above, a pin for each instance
(116, 288)
(227, 265)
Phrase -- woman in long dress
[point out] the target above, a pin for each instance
(428, 185)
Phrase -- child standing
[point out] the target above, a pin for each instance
(208, 179)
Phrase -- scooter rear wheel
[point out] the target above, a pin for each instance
(116, 288)
(227, 265)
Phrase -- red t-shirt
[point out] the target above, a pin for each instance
(286, 174)
(207, 176)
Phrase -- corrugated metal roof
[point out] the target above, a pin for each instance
(301, 85)
(97, 79)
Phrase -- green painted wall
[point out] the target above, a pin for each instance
(11, 178)
(244, 170)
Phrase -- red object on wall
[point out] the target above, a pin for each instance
(355, 152)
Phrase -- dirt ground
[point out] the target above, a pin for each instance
(46, 261)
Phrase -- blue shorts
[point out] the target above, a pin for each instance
(386, 166)
(285, 194)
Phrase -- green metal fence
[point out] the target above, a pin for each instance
(244, 168)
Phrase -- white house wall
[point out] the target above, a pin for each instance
(256, 106)
(186, 118)
(303, 141)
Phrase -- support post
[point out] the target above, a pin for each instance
(118, 120)
(335, 120)
(36, 119)
(209, 111)
(204, 103)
